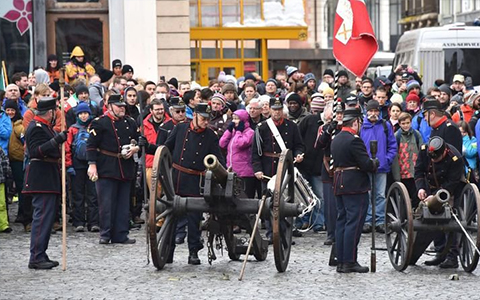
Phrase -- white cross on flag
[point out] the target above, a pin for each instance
(354, 43)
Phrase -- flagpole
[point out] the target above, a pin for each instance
(4, 70)
(64, 178)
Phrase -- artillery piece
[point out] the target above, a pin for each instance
(408, 233)
(225, 201)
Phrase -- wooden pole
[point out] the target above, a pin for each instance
(64, 177)
(252, 236)
(4, 70)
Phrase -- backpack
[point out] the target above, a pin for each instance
(79, 145)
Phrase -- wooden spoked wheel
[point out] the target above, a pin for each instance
(282, 226)
(468, 214)
(399, 226)
(161, 221)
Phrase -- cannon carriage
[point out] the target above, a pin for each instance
(408, 233)
(224, 199)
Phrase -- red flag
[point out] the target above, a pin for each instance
(354, 42)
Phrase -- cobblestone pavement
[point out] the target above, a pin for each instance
(120, 272)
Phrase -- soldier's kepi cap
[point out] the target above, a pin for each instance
(432, 104)
(46, 103)
(276, 103)
(117, 100)
(177, 103)
(436, 147)
(203, 109)
(351, 114)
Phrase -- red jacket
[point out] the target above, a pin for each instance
(151, 135)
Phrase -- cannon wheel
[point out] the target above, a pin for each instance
(161, 221)
(399, 226)
(468, 212)
(230, 241)
(283, 226)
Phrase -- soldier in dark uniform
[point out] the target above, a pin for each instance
(441, 125)
(447, 130)
(331, 128)
(440, 166)
(266, 150)
(189, 143)
(177, 111)
(110, 153)
(42, 179)
(351, 184)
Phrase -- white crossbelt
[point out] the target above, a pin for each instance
(276, 134)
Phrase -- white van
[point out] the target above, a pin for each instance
(441, 52)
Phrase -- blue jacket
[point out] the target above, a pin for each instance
(469, 151)
(21, 105)
(386, 142)
(189, 112)
(422, 126)
(5, 131)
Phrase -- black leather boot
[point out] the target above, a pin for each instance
(354, 268)
(193, 258)
(435, 261)
(449, 263)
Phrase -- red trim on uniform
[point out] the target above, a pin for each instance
(349, 129)
(197, 130)
(42, 120)
(279, 122)
(111, 116)
(440, 122)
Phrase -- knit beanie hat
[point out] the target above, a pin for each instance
(373, 104)
(290, 70)
(412, 84)
(294, 97)
(342, 73)
(81, 89)
(228, 87)
(82, 107)
(328, 72)
(173, 81)
(446, 89)
(272, 80)
(249, 76)
(396, 98)
(11, 104)
(221, 77)
(413, 97)
(328, 91)
(308, 77)
(318, 103)
(219, 97)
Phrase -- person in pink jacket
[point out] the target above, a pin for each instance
(237, 140)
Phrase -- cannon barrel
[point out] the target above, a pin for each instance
(211, 163)
(435, 203)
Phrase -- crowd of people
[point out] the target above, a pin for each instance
(110, 115)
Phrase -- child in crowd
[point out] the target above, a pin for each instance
(409, 141)
(83, 189)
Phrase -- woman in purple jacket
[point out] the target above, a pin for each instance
(237, 140)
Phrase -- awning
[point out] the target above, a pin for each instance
(249, 33)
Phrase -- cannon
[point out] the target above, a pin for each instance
(409, 233)
(225, 201)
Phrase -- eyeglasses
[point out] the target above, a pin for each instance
(180, 111)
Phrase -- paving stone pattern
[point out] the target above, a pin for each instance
(121, 272)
